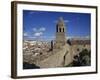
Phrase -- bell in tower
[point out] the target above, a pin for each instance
(60, 33)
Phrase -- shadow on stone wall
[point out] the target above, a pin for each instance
(30, 66)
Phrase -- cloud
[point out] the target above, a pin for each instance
(69, 37)
(88, 36)
(38, 31)
(37, 34)
(31, 12)
(78, 37)
(65, 21)
(25, 34)
(42, 29)
(34, 29)
(31, 37)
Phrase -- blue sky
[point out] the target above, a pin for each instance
(42, 24)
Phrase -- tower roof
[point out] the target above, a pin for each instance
(61, 21)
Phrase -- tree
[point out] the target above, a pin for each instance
(83, 59)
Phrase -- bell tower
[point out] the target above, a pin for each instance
(60, 33)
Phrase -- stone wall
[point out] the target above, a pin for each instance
(58, 57)
(68, 56)
(56, 60)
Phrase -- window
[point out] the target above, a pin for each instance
(59, 29)
(63, 29)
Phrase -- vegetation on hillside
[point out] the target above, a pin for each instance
(83, 59)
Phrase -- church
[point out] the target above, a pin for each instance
(62, 49)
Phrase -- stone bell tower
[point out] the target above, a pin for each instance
(60, 33)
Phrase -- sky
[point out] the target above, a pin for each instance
(42, 24)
